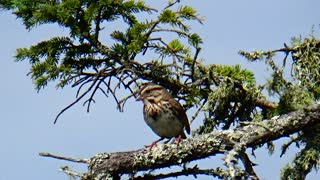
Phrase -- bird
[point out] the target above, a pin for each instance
(162, 113)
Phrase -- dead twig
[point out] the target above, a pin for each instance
(77, 160)
(75, 101)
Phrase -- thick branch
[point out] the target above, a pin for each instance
(166, 155)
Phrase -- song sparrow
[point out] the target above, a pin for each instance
(163, 114)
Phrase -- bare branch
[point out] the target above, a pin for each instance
(112, 92)
(124, 100)
(286, 145)
(79, 81)
(76, 101)
(248, 165)
(198, 110)
(80, 87)
(172, 3)
(82, 95)
(77, 160)
(194, 63)
(171, 30)
(103, 92)
(93, 93)
(71, 173)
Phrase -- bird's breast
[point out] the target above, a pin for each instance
(162, 121)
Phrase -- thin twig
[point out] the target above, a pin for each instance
(93, 93)
(79, 81)
(75, 101)
(124, 100)
(103, 92)
(125, 73)
(248, 166)
(77, 160)
(97, 22)
(171, 30)
(287, 144)
(171, 4)
(287, 53)
(71, 173)
(113, 94)
(198, 110)
(173, 53)
(147, 35)
(194, 63)
(134, 80)
(80, 87)
(108, 84)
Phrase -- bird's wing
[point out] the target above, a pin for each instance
(180, 112)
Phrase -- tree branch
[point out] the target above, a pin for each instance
(77, 160)
(165, 155)
(245, 135)
(248, 165)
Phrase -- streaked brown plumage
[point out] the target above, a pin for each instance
(163, 114)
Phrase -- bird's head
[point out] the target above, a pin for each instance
(151, 93)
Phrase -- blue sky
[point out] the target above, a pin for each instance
(26, 116)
